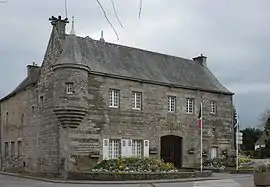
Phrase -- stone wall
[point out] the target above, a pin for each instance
(153, 121)
(41, 132)
(135, 176)
(13, 118)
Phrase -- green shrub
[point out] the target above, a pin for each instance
(214, 163)
(134, 165)
(263, 168)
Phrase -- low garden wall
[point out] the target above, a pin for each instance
(231, 170)
(124, 176)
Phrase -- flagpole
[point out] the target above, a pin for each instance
(237, 143)
(201, 138)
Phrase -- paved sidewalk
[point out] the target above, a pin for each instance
(216, 176)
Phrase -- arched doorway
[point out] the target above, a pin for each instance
(171, 149)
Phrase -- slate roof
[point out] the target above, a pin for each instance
(29, 80)
(262, 139)
(133, 63)
(127, 62)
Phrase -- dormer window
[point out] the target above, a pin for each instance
(69, 88)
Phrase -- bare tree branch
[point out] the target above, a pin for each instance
(140, 9)
(105, 15)
(263, 118)
(115, 13)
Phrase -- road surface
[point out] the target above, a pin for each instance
(246, 181)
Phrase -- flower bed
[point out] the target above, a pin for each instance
(123, 169)
(134, 165)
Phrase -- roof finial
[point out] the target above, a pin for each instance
(72, 28)
(102, 37)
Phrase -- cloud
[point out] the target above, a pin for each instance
(250, 88)
(234, 35)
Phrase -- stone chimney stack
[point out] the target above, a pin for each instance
(201, 59)
(33, 70)
(59, 25)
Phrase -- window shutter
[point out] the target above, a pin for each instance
(129, 148)
(124, 148)
(105, 149)
(146, 148)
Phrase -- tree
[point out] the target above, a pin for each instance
(250, 137)
(267, 125)
(265, 119)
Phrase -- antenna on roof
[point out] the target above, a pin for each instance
(72, 28)
(66, 8)
(140, 11)
(102, 37)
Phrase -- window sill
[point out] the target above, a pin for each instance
(137, 109)
(113, 107)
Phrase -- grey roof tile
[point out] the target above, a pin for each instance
(118, 60)
(113, 59)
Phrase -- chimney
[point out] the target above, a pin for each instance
(60, 25)
(201, 59)
(33, 70)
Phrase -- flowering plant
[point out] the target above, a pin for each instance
(134, 165)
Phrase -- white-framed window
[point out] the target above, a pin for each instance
(114, 98)
(136, 100)
(137, 148)
(69, 88)
(213, 107)
(189, 105)
(114, 149)
(171, 103)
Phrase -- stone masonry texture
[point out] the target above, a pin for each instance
(64, 132)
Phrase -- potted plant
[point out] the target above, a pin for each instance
(262, 175)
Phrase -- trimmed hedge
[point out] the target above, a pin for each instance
(122, 176)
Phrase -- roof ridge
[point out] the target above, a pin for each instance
(135, 48)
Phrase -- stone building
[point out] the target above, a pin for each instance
(92, 100)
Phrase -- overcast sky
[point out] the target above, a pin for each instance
(233, 34)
